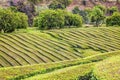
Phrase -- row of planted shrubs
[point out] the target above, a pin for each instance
(11, 20)
(56, 19)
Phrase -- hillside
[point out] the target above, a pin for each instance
(92, 3)
(81, 69)
(34, 47)
(79, 3)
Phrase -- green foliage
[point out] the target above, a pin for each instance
(101, 7)
(22, 20)
(22, 72)
(83, 13)
(73, 20)
(97, 16)
(52, 19)
(112, 10)
(56, 5)
(113, 20)
(49, 19)
(10, 20)
(76, 10)
(59, 4)
(70, 73)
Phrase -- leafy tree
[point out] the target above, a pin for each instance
(113, 20)
(83, 13)
(97, 16)
(26, 7)
(52, 19)
(73, 20)
(9, 20)
(49, 19)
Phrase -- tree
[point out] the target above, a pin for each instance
(26, 7)
(49, 19)
(113, 20)
(97, 16)
(10, 20)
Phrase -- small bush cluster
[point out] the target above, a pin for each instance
(73, 20)
(9, 20)
(53, 19)
(113, 20)
(59, 4)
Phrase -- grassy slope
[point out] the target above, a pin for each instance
(108, 69)
(33, 46)
(70, 73)
(17, 73)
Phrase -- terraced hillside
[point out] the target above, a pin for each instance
(78, 69)
(56, 45)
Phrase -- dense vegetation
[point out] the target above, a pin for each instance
(10, 20)
(55, 19)
(57, 45)
(35, 46)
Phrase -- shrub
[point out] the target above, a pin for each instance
(113, 20)
(56, 5)
(7, 20)
(73, 20)
(112, 10)
(59, 4)
(52, 19)
(76, 10)
(49, 19)
(97, 16)
(22, 20)
(10, 20)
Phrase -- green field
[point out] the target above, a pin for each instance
(66, 54)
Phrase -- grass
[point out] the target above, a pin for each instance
(108, 69)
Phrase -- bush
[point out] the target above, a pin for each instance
(113, 20)
(112, 10)
(22, 20)
(59, 4)
(52, 19)
(76, 10)
(10, 20)
(56, 5)
(73, 20)
(97, 16)
(49, 19)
